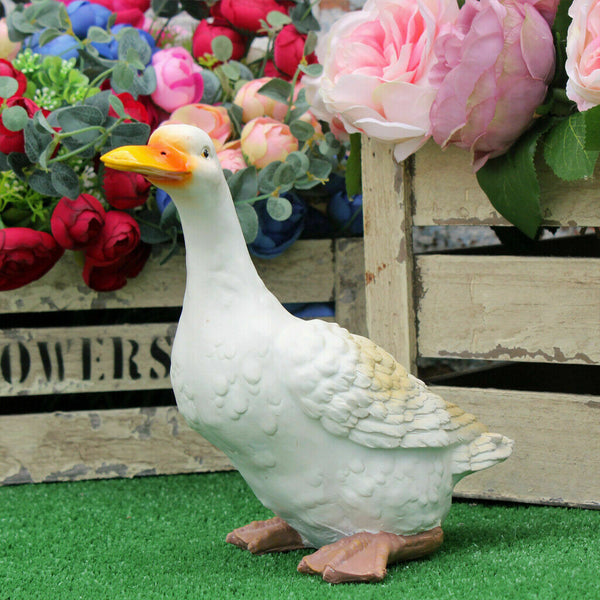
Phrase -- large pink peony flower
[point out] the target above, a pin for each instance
(583, 53)
(376, 70)
(493, 72)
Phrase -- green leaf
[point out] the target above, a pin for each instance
(299, 162)
(129, 39)
(8, 87)
(592, 128)
(302, 130)
(165, 8)
(48, 35)
(72, 118)
(277, 89)
(248, 220)
(14, 118)
(145, 83)
(313, 70)
(511, 184)
(170, 217)
(213, 91)
(278, 19)
(564, 149)
(197, 9)
(117, 106)
(266, 176)
(284, 177)
(320, 168)
(235, 113)
(65, 180)
(279, 208)
(122, 78)
(36, 140)
(128, 134)
(222, 48)
(102, 102)
(311, 43)
(243, 184)
(303, 19)
(18, 162)
(231, 71)
(99, 35)
(353, 167)
(41, 182)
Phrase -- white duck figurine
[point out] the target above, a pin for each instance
(355, 456)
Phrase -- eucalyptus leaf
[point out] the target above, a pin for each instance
(222, 48)
(284, 177)
(299, 162)
(128, 133)
(313, 70)
(129, 39)
(213, 91)
(8, 87)
(245, 72)
(243, 184)
(65, 180)
(231, 71)
(133, 59)
(18, 162)
(278, 19)
(19, 26)
(41, 182)
(98, 35)
(145, 83)
(565, 149)
(4, 166)
(117, 105)
(36, 140)
(170, 217)
(235, 113)
(48, 35)
(277, 89)
(511, 184)
(248, 221)
(72, 118)
(279, 208)
(52, 15)
(311, 43)
(302, 130)
(320, 168)
(198, 9)
(266, 184)
(123, 77)
(303, 19)
(14, 118)
(102, 102)
(165, 8)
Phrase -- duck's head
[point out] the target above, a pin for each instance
(177, 157)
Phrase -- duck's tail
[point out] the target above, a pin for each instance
(483, 452)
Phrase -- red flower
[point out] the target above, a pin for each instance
(124, 189)
(128, 11)
(119, 236)
(247, 15)
(25, 255)
(13, 141)
(76, 223)
(134, 108)
(114, 275)
(7, 70)
(206, 32)
(288, 50)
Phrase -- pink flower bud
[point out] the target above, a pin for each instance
(212, 119)
(265, 140)
(231, 157)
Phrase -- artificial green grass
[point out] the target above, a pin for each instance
(163, 537)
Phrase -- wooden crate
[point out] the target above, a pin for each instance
(125, 442)
(509, 308)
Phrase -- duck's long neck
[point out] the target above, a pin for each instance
(219, 268)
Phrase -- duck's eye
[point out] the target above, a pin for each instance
(206, 152)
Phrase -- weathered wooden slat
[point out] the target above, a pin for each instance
(102, 444)
(85, 359)
(542, 309)
(388, 252)
(350, 285)
(556, 458)
(309, 261)
(446, 192)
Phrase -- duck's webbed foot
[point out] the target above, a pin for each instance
(365, 556)
(273, 535)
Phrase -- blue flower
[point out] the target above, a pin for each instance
(162, 200)
(64, 46)
(275, 236)
(84, 14)
(110, 50)
(347, 214)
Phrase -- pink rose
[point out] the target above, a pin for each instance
(212, 119)
(289, 50)
(493, 72)
(207, 31)
(8, 49)
(265, 140)
(76, 223)
(583, 54)
(178, 79)
(231, 157)
(376, 68)
(254, 104)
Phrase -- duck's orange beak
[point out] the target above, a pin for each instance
(159, 162)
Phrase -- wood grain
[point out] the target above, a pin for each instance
(556, 458)
(350, 309)
(542, 309)
(102, 444)
(446, 192)
(309, 261)
(388, 252)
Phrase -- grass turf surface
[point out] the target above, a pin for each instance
(163, 537)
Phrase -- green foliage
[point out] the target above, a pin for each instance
(353, 167)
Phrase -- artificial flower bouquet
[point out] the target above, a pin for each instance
(502, 79)
(88, 76)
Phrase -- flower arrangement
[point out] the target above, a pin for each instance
(502, 79)
(81, 77)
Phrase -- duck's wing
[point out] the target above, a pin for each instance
(359, 391)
